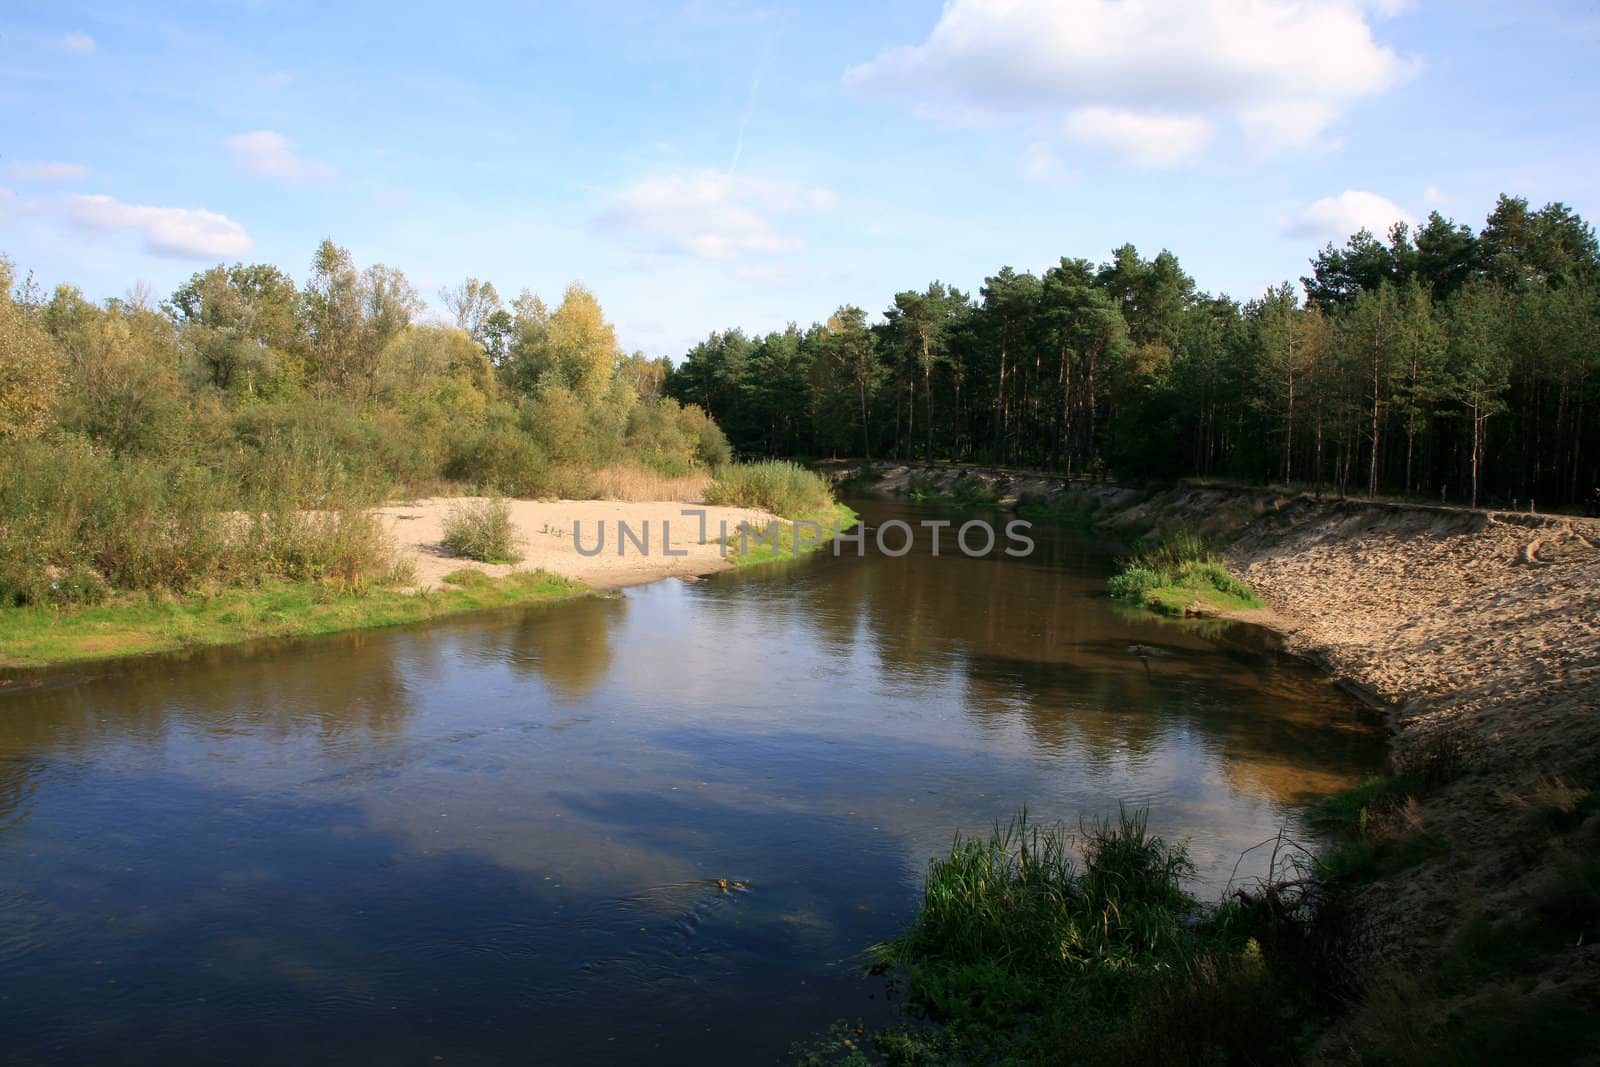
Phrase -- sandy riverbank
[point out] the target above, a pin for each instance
(1480, 632)
(546, 531)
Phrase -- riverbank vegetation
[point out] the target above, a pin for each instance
(1035, 945)
(964, 493)
(1180, 576)
(234, 435)
(1437, 362)
(482, 530)
(138, 623)
(810, 517)
(777, 486)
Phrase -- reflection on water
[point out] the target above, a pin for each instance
(500, 837)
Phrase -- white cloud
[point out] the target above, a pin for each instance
(712, 215)
(278, 79)
(77, 42)
(173, 232)
(6, 199)
(47, 172)
(1144, 139)
(1333, 218)
(1207, 61)
(1435, 197)
(265, 154)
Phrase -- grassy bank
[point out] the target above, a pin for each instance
(781, 541)
(1180, 576)
(787, 489)
(1034, 945)
(965, 493)
(139, 624)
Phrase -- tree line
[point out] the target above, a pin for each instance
(130, 430)
(1437, 362)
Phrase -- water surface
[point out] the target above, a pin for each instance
(499, 838)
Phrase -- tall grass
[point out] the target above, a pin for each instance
(642, 483)
(1177, 572)
(778, 486)
(1034, 944)
(76, 522)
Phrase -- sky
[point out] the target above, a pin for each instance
(715, 163)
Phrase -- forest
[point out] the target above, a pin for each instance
(237, 430)
(1441, 364)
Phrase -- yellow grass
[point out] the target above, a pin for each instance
(640, 484)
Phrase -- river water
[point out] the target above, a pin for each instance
(498, 839)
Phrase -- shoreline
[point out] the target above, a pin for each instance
(134, 625)
(1476, 633)
(1465, 884)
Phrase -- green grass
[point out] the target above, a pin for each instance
(1375, 829)
(1179, 575)
(137, 624)
(966, 493)
(1036, 945)
(778, 486)
(769, 545)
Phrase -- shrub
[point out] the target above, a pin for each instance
(482, 530)
(500, 461)
(778, 486)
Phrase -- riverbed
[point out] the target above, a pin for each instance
(654, 826)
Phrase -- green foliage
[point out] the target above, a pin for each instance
(790, 538)
(1178, 572)
(1070, 510)
(1376, 830)
(965, 493)
(778, 486)
(148, 524)
(1037, 945)
(500, 460)
(1418, 363)
(482, 530)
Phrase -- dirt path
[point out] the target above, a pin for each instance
(547, 528)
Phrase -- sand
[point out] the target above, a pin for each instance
(1479, 632)
(546, 533)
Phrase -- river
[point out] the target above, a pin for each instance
(499, 839)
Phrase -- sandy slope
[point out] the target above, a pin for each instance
(547, 533)
(1480, 631)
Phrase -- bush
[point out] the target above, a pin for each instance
(482, 530)
(778, 486)
(316, 453)
(500, 461)
(76, 522)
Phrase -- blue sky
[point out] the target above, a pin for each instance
(714, 163)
